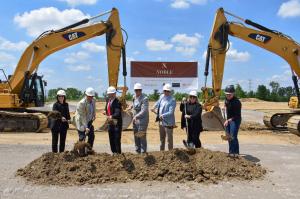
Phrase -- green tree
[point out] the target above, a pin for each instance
(129, 96)
(262, 92)
(250, 94)
(74, 94)
(274, 91)
(239, 92)
(154, 96)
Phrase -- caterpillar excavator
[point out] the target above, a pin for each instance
(25, 88)
(261, 36)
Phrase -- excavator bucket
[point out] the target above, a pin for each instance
(213, 120)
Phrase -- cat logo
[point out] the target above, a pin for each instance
(73, 35)
(260, 37)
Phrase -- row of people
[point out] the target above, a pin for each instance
(164, 109)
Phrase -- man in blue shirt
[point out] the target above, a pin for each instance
(165, 107)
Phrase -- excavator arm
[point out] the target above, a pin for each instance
(52, 41)
(263, 37)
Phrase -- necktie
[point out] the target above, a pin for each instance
(108, 108)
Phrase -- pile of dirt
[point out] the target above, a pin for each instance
(252, 126)
(177, 165)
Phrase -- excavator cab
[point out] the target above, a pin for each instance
(33, 90)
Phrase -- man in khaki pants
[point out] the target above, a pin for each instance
(165, 107)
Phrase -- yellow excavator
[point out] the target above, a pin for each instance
(25, 88)
(261, 36)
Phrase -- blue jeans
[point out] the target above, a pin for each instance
(233, 129)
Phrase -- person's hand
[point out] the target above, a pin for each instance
(161, 117)
(109, 117)
(63, 119)
(227, 122)
(184, 99)
(103, 112)
(87, 130)
(187, 116)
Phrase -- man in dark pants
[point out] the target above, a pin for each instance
(113, 111)
(233, 108)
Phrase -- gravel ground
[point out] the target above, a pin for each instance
(282, 181)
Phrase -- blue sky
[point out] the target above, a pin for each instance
(159, 30)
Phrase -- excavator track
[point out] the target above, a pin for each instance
(277, 121)
(22, 122)
(293, 124)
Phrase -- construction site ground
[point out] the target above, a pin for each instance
(278, 152)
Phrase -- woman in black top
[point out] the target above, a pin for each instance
(191, 112)
(60, 126)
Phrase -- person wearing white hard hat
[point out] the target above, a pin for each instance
(113, 112)
(191, 119)
(59, 126)
(140, 106)
(164, 109)
(85, 115)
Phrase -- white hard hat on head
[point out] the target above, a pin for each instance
(193, 93)
(111, 90)
(137, 86)
(167, 87)
(90, 92)
(61, 93)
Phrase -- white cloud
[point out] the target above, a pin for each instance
(158, 45)
(46, 72)
(136, 52)
(7, 61)
(286, 75)
(37, 21)
(74, 3)
(236, 56)
(289, 9)
(11, 46)
(77, 68)
(184, 4)
(186, 45)
(76, 57)
(185, 40)
(186, 51)
(180, 4)
(93, 47)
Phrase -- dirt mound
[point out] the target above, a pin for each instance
(252, 126)
(176, 166)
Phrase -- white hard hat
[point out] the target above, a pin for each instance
(167, 87)
(111, 90)
(90, 92)
(193, 93)
(61, 93)
(137, 86)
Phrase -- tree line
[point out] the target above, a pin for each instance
(274, 93)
